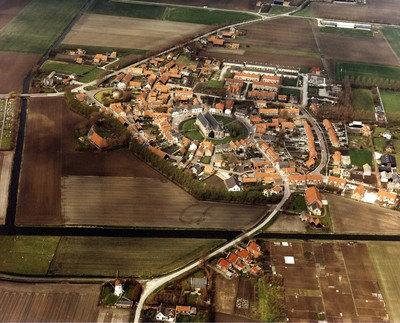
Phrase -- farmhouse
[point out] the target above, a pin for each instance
(231, 184)
(313, 200)
(97, 140)
(209, 127)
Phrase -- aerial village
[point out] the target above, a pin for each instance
(245, 124)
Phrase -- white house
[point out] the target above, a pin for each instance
(232, 185)
(118, 290)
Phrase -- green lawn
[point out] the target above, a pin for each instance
(362, 100)
(87, 73)
(27, 255)
(103, 256)
(278, 10)
(287, 91)
(299, 204)
(214, 84)
(38, 25)
(379, 144)
(167, 12)
(96, 49)
(360, 157)
(99, 95)
(306, 12)
(367, 72)
(392, 35)
(346, 32)
(391, 102)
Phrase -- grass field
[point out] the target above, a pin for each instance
(86, 73)
(362, 100)
(278, 10)
(371, 72)
(27, 255)
(171, 13)
(392, 35)
(391, 102)
(346, 31)
(360, 157)
(98, 256)
(306, 12)
(38, 25)
(385, 257)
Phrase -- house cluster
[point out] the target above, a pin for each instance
(241, 260)
(224, 38)
(80, 56)
(169, 314)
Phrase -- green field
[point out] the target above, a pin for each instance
(306, 12)
(171, 13)
(278, 10)
(360, 157)
(385, 257)
(101, 256)
(391, 102)
(214, 84)
(361, 99)
(38, 25)
(392, 35)
(122, 52)
(287, 91)
(87, 73)
(366, 72)
(27, 255)
(346, 32)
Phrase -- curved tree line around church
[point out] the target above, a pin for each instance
(198, 189)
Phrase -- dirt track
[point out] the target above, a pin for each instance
(48, 302)
(129, 32)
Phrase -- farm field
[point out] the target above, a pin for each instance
(6, 161)
(9, 9)
(130, 200)
(374, 50)
(55, 177)
(14, 68)
(347, 268)
(392, 34)
(48, 302)
(98, 256)
(144, 34)
(363, 218)
(171, 13)
(391, 102)
(346, 32)
(376, 11)
(28, 32)
(385, 259)
(291, 44)
(85, 73)
(372, 73)
(363, 104)
(27, 255)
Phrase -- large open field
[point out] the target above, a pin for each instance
(371, 73)
(38, 25)
(98, 256)
(14, 68)
(285, 41)
(48, 302)
(363, 104)
(362, 217)
(328, 281)
(376, 11)
(62, 186)
(392, 34)
(9, 9)
(128, 201)
(374, 50)
(130, 32)
(391, 102)
(386, 261)
(172, 13)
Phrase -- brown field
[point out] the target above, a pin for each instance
(328, 277)
(285, 41)
(130, 32)
(128, 201)
(378, 11)
(287, 223)
(48, 302)
(363, 217)
(6, 159)
(14, 68)
(374, 50)
(9, 9)
(59, 185)
(222, 317)
(225, 298)
(386, 260)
